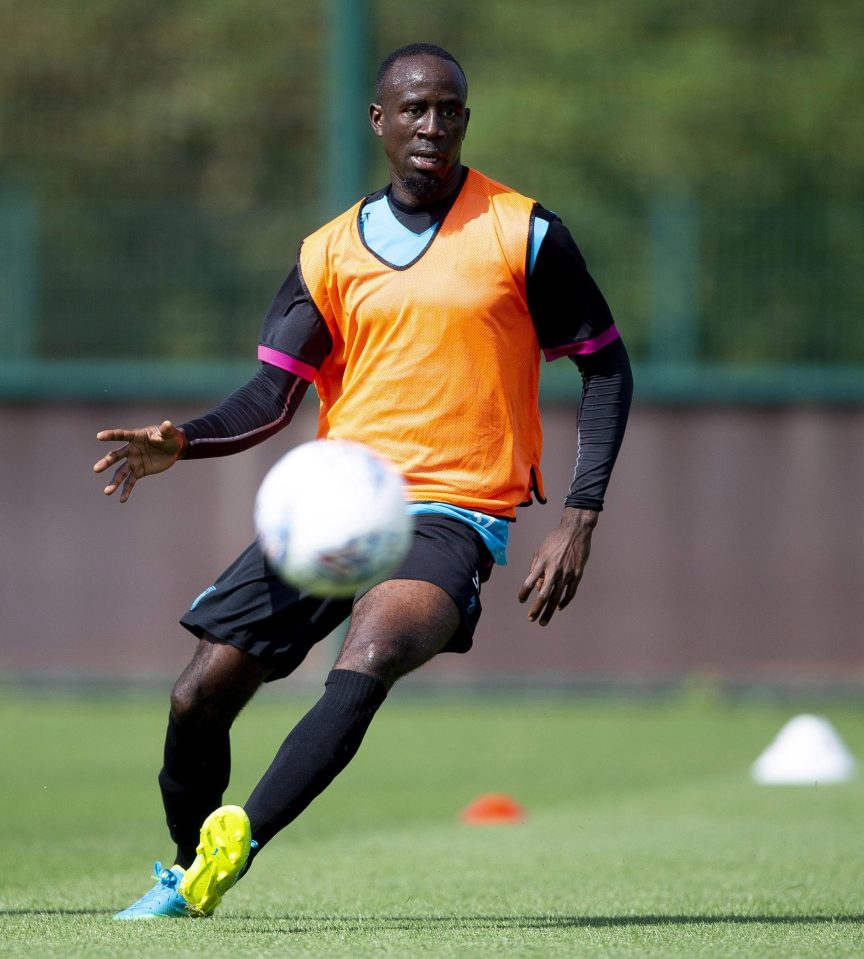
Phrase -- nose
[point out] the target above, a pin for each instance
(432, 127)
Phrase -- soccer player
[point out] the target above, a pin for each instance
(420, 315)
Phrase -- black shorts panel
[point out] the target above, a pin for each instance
(251, 608)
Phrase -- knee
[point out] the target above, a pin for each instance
(397, 627)
(190, 702)
(216, 685)
(385, 659)
(196, 702)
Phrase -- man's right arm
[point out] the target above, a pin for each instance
(247, 417)
(250, 415)
(294, 342)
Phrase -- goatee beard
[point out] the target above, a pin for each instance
(421, 187)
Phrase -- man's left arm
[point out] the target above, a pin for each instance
(559, 563)
(573, 319)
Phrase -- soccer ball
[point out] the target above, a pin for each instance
(331, 517)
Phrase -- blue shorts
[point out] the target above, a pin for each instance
(251, 608)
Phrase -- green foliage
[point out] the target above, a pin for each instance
(177, 154)
(744, 99)
(223, 101)
(201, 99)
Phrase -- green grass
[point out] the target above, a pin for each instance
(645, 836)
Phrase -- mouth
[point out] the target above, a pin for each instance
(427, 160)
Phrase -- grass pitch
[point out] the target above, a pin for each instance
(644, 836)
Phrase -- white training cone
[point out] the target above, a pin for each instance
(806, 751)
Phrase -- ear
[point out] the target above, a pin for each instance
(467, 118)
(376, 117)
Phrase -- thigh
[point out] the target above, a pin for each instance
(451, 555)
(396, 627)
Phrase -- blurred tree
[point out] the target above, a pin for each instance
(181, 142)
(222, 100)
(202, 99)
(749, 98)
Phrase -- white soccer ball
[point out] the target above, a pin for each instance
(331, 517)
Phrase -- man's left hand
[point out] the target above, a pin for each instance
(557, 566)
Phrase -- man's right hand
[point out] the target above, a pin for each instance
(148, 450)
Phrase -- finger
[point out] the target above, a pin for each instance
(128, 485)
(158, 435)
(539, 602)
(535, 610)
(110, 459)
(119, 476)
(569, 592)
(534, 578)
(546, 612)
(529, 586)
(547, 603)
(541, 611)
(113, 436)
(525, 590)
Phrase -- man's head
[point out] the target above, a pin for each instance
(413, 50)
(421, 116)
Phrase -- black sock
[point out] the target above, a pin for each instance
(194, 776)
(318, 748)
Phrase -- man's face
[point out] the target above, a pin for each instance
(422, 120)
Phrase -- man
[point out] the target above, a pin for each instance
(419, 314)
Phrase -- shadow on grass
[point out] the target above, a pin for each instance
(35, 911)
(302, 924)
(310, 924)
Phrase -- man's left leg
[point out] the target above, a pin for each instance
(396, 627)
(432, 605)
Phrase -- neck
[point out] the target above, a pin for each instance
(417, 192)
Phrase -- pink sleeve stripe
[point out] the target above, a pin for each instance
(583, 346)
(286, 362)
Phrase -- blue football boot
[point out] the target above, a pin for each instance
(163, 901)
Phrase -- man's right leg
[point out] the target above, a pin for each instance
(266, 629)
(205, 701)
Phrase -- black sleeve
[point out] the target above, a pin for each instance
(294, 330)
(248, 416)
(566, 304)
(294, 342)
(607, 389)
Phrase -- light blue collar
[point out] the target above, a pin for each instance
(388, 239)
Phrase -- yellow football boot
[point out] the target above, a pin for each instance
(226, 838)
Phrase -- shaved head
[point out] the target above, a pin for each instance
(406, 52)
